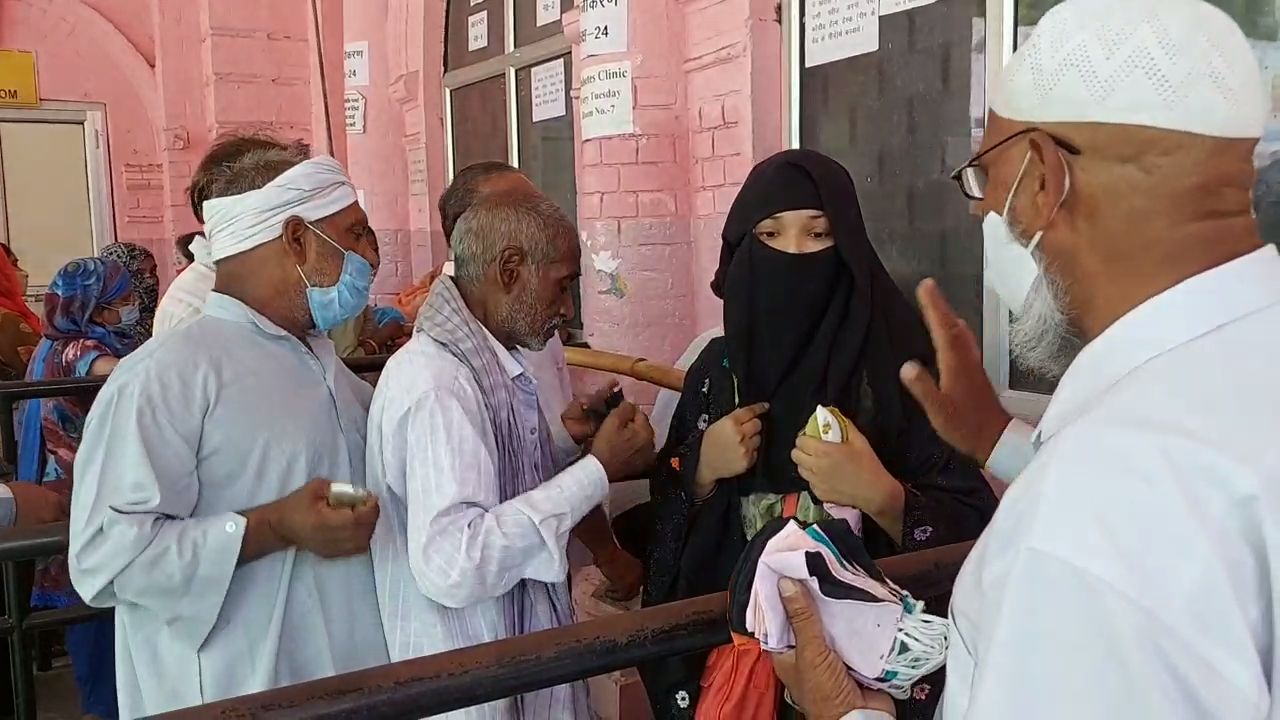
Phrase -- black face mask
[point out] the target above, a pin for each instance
(783, 315)
(786, 296)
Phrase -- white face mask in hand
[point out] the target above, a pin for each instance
(1010, 267)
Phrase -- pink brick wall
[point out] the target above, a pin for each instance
(82, 56)
(378, 162)
(708, 96)
(633, 203)
(172, 75)
(732, 124)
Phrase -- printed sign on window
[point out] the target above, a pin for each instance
(889, 7)
(839, 29)
(478, 31)
(548, 12)
(547, 90)
(604, 27)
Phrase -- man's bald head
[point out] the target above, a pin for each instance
(517, 254)
(474, 182)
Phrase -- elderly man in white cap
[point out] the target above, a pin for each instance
(1131, 570)
(202, 510)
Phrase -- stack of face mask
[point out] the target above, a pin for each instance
(879, 630)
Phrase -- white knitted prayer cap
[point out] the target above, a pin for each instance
(1179, 65)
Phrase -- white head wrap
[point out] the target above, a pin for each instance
(311, 190)
(1180, 65)
(201, 251)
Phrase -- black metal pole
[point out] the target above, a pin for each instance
(24, 684)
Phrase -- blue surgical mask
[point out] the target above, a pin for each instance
(331, 306)
(129, 315)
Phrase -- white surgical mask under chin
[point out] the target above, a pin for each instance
(1010, 267)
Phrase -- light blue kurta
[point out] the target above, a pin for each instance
(220, 416)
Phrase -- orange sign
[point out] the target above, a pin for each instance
(18, 85)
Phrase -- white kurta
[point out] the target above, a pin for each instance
(1131, 571)
(446, 549)
(184, 300)
(225, 414)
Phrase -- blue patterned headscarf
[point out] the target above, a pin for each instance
(78, 289)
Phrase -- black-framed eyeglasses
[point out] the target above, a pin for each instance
(972, 178)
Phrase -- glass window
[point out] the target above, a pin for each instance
(1260, 20)
(529, 13)
(479, 25)
(479, 121)
(547, 151)
(900, 119)
(481, 109)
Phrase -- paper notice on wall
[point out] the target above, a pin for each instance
(355, 61)
(889, 7)
(478, 31)
(606, 100)
(604, 27)
(547, 81)
(353, 105)
(548, 12)
(839, 29)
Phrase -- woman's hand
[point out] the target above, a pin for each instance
(729, 447)
(850, 474)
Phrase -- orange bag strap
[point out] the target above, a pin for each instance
(790, 504)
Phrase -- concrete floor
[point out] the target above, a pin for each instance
(56, 695)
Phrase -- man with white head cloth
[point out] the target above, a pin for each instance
(201, 509)
(1130, 571)
(184, 300)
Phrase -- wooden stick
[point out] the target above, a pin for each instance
(664, 376)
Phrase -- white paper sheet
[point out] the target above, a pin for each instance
(548, 12)
(478, 31)
(607, 100)
(353, 106)
(548, 91)
(889, 7)
(839, 29)
(604, 27)
(355, 63)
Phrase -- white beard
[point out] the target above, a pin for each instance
(1041, 339)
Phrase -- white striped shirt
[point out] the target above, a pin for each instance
(446, 549)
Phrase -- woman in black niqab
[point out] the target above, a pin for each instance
(811, 317)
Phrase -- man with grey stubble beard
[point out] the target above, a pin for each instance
(478, 498)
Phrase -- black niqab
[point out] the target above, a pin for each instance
(827, 328)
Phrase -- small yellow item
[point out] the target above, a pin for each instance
(827, 423)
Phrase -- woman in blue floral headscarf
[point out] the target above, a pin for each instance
(89, 311)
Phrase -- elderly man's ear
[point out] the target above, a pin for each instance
(511, 262)
(294, 237)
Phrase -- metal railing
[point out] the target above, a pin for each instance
(475, 675)
(18, 547)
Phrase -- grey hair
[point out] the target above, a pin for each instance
(251, 171)
(525, 219)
